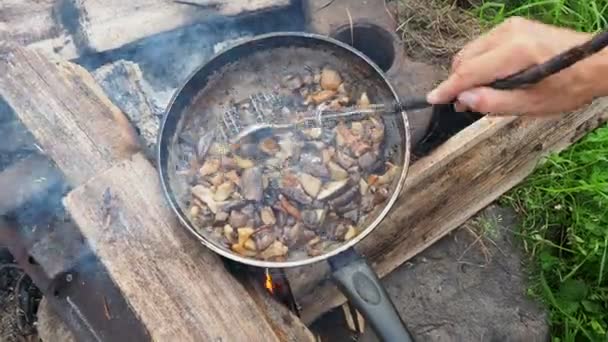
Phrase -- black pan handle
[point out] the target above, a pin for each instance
(361, 285)
(532, 75)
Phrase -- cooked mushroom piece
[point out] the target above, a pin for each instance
(251, 184)
(264, 238)
(276, 249)
(332, 189)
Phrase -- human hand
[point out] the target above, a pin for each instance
(512, 47)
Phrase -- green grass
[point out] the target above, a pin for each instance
(564, 207)
(581, 15)
(564, 204)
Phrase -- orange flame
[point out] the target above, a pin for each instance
(268, 283)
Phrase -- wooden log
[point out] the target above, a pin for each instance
(72, 28)
(449, 186)
(125, 219)
(66, 111)
(39, 24)
(187, 286)
(109, 24)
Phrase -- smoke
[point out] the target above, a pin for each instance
(139, 78)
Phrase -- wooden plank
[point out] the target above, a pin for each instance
(37, 23)
(446, 188)
(66, 111)
(189, 295)
(109, 24)
(71, 28)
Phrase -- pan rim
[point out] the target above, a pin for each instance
(162, 170)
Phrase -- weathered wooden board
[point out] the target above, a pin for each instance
(444, 189)
(178, 289)
(73, 27)
(66, 111)
(189, 296)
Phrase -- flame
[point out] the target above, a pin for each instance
(268, 283)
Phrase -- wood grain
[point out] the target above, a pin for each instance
(446, 188)
(72, 28)
(37, 24)
(66, 111)
(109, 24)
(179, 290)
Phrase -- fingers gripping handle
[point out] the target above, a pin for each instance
(362, 287)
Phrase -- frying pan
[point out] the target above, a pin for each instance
(248, 66)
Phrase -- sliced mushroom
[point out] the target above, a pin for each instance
(357, 128)
(251, 184)
(243, 163)
(363, 101)
(221, 216)
(363, 186)
(314, 218)
(367, 203)
(237, 219)
(276, 249)
(337, 173)
(233, 177)
(389, 176)
(267, 216)
(359, 148)
(380, 196)
(345, 198)
(317, 170)
(229, 233)
(264, 238)
(194, 211)
(210, 166)
(332, 189)
(311, 185)
(223, 191)
(330, 79)
(292, 82)
(293, 234)
(269, 146)
(352, 215)
(350, 233)
(367, 161)
(313, 133)
(243, 234)
(344, 136)
(340, 231)
(296, 194)
(250, 245)
(205, 195)
(377, 132)
(344, 159)
(322, 96)
(327, 154)
(290, 208)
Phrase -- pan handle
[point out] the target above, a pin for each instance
(356, 279)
